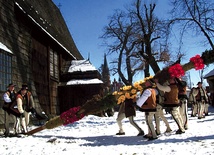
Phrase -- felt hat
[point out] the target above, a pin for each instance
(24, 87)
(199, 83)
(11, 85)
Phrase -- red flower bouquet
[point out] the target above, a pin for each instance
(70, 116)
(176, 71)
(198, 62)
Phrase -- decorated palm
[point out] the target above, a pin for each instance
(98, 104)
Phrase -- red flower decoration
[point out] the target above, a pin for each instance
(70, 116)
(176, 71)
(198, 62)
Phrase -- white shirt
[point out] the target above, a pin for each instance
(140, 101)
(6, 98)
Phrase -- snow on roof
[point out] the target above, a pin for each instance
(81, 65)
(84, 81)
(3, 47)
(211, 73)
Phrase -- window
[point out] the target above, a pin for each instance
(5, 69)
(54, 64)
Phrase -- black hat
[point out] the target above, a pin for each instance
(24, 87)
(199, 83)
(11, 84)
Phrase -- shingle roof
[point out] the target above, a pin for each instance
(211, 73)
(47, 15)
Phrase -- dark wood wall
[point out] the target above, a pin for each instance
(76, 95)
(30, 61)
(40, 73)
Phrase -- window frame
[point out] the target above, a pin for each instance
(5, 69)
(54, 64)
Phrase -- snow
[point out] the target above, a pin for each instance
(81, 65)
(94, 135)
(3, 47)
(84, 81)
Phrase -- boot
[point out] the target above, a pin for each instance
(168, 130)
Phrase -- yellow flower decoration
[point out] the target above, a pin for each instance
(120, 93)
(127, 95)
(127, 87)
(136, 84)
(115, 93)
(133, 91)
(121, 99)
(147, 78)
(130, 92)
(141, 81)
(139, 88)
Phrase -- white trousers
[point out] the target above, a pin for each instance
(201, 106)
(149, 122)
(121, 116)
(160, 115)
(184, 112)
(175, 112)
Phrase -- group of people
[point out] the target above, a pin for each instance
(156, 97)
(18, 106)
(200, 100)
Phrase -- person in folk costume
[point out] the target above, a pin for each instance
(201, 99)
(9, 96)
(171, 101)
(127, 110)
(147, 104)
(159, 113)
(29, 105)
(182, 96)
(207, 104)
(21, 104)
(192, 101)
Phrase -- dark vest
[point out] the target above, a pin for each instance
(199, 96)
(171, 98)
(182, 90)
(129, 108)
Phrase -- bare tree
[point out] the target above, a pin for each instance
(195, 15)
(121, 30)
(135, 33)
(151, 29)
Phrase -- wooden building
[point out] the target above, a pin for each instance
(79, 83)
(210, 80)
(35, 48)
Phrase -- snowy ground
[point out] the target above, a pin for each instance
(96, 136)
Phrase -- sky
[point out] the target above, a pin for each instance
(93, 135)
(86, 19)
